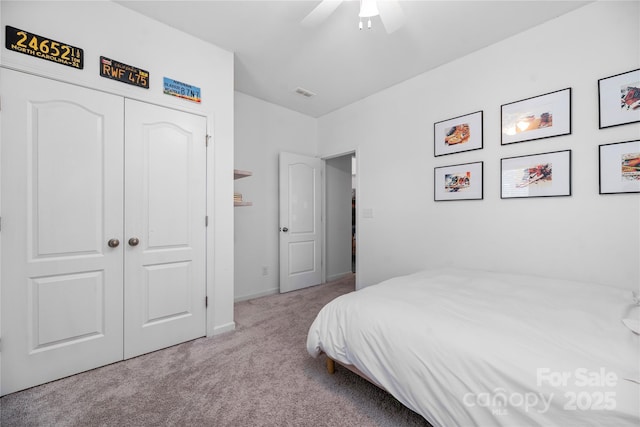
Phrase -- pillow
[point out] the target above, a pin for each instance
(633, 324)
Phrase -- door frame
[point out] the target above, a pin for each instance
(354, 152)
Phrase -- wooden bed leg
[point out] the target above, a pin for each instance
(331, 365)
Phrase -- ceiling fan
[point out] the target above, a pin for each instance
(390, 13)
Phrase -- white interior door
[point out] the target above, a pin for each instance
(165, 209)
(62, 202)
(300, 221)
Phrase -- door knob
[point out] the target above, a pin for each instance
(134, 241)
(285, 229)
(113, 243)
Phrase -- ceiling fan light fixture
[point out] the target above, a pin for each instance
(368, 8)
(368, 24)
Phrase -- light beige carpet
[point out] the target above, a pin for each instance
(258, 375)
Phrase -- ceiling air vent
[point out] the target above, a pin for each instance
(304, 92)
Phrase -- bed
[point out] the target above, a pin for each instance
(479, 348)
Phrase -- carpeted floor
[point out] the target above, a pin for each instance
(258, 375)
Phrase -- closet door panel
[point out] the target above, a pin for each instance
(62, 202)
(165, 209)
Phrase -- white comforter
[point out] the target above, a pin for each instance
(473, 348)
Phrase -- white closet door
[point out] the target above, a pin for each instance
(62, 196)
(165, 234)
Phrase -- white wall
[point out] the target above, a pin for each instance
(108, 29)
(338, 217)
(585, 236)
(262, 131)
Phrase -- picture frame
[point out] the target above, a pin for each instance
(536, 175)
(620, 167)
(619, 99)
(462, 133)
(539, 117)
(458, 182)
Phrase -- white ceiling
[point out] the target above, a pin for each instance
(275, 54)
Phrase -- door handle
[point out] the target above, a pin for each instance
(134, 241)
(113, 243)
(285, 229)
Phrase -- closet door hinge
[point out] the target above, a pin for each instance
(206, 140)
(206, 221)
(206, 301)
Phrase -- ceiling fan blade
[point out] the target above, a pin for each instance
(391, 15)
(320, 13)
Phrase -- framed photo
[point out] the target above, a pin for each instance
(458, 182)
(619, 99)
(463, 133)
(620, 167)
(543, 116)
(536, 175)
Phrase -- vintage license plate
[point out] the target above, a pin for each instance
(43, 48)
(124, 73)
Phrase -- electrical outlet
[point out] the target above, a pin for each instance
(265, 270)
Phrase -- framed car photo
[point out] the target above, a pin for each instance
(536, 175)
(539, 117)
(619, 99)
(620, 167)
(463, 133)
(458, 182)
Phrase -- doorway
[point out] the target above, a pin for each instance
(340, 213)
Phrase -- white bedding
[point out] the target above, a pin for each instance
(474, 348)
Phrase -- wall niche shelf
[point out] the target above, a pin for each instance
(237, 201)
(237, 174)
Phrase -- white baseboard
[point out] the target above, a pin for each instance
(338, 276)
(224, 328)
(257, 295)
